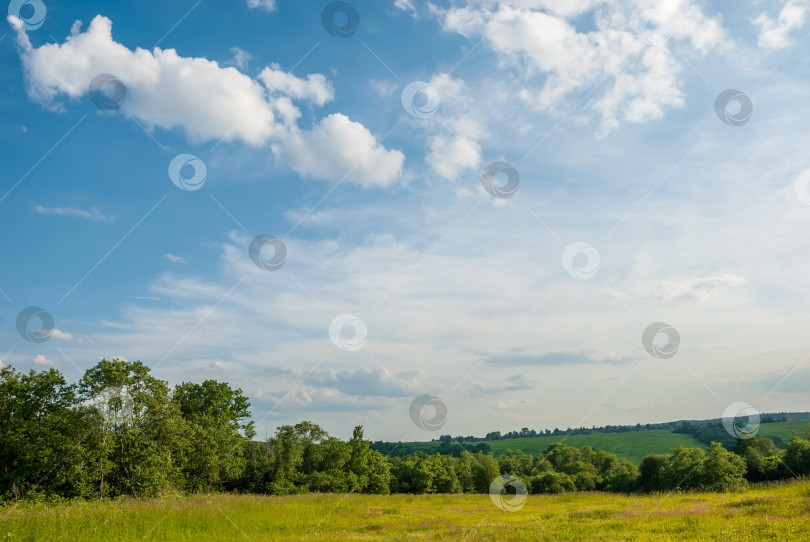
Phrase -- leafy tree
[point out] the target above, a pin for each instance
(142, 437)
(484, 470)
(551, 482)
(797, 455)
(379, 474)
(516, 462)
(214, 415)
(652, 471)
(683, 469)
(762, 459)
(44, 440)
(722, 470)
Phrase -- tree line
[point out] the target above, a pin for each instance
(119, 431)
(706, 431)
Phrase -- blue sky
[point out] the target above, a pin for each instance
(638, 202)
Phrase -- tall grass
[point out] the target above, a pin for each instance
(774, 512)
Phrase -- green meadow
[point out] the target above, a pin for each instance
(632, 446)
(775, 512)
(784, 430)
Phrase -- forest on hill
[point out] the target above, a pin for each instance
(121, 431)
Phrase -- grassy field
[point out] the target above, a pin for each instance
(784, 429)
(780, 512)
(632, 445)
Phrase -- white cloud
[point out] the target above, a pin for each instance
(336, 148)
(686, 289)
(514, 383)
(542, 41)
(314, 88)
(774, 33)
(240, 57)
(449, 156)
(268, 5)
(39, 359)
(93, 214)
(208, 101)
(174, 259)
(404, 5)
(61, 335)
(454, 147)
(163, 88)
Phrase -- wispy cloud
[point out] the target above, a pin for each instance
(558, 358)
(174, 259)
(93, 214)
(513, 383)
(267, 5)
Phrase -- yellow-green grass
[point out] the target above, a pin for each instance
(779, 512)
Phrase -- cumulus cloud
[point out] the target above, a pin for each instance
(775, 33)
(314, 88)
(39, 359)
(338, 148)
(640, 76)
(93, 214)
(209, 102)
(450, 156)
(163, 88)
(61, 335)
(454, 148)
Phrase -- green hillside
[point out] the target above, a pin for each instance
(784, 430)
(633, 445)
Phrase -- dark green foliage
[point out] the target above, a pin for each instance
(797, 456)
(121, 432)
(692, 468)
(762, 459)
(552, 482)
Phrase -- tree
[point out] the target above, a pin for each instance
(44, 436)
(683, 469)
(358, 459)
(214, 414)
(142, 434)
(484, 470)
(722, 470)
(551, 482)
(379, 474)
(797, 455)
(652, 471)
(516, 462)
(762, 459)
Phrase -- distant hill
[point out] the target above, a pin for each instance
(632, 442)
